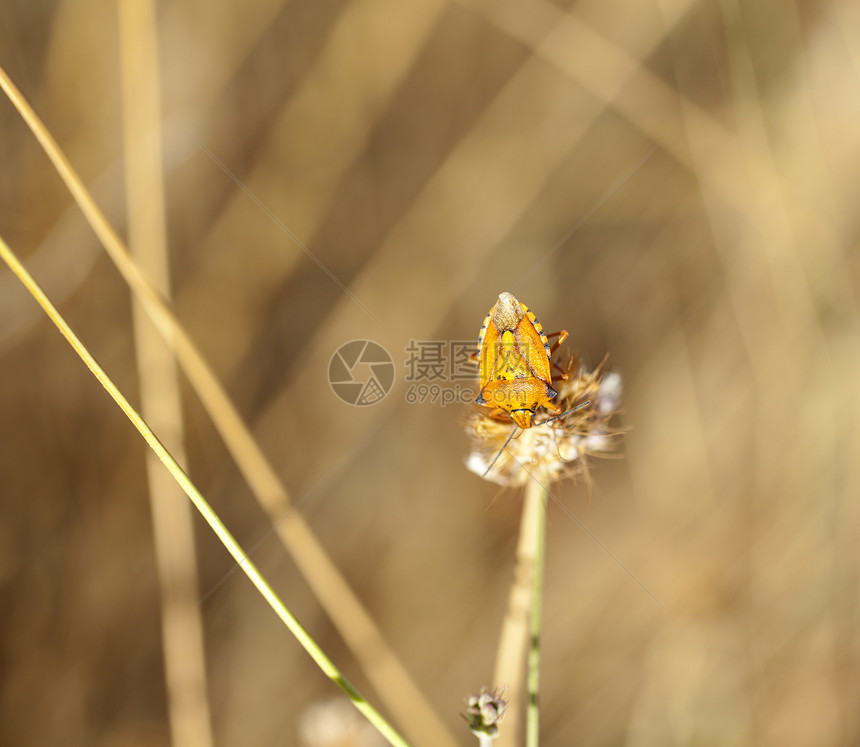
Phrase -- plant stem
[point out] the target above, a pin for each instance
(539, 497)
(183, 648)
(214, 521)
(519, 619)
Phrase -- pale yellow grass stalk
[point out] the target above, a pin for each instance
(511, 654)
(161, 405)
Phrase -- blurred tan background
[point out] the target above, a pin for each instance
(429, 155)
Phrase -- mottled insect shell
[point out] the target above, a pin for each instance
(514, 359)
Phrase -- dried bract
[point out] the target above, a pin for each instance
(559, 447)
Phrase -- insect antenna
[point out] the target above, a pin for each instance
(496, 458)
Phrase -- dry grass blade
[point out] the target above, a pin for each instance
(330, 587)
(161, 406)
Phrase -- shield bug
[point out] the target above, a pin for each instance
(514, 359)
(515, 367)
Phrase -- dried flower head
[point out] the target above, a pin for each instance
(557, 448)
(485, 710)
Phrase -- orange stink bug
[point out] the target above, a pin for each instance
(514, 356)
(515, 360)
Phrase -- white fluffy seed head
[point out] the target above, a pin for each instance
(558, 448)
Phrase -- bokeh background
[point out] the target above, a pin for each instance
(429, 155)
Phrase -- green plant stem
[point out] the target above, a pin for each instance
(233, 547)
(538, 495)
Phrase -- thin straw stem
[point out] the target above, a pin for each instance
(223, 534)
(183, 647)
(513, 642)
(539, 498)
